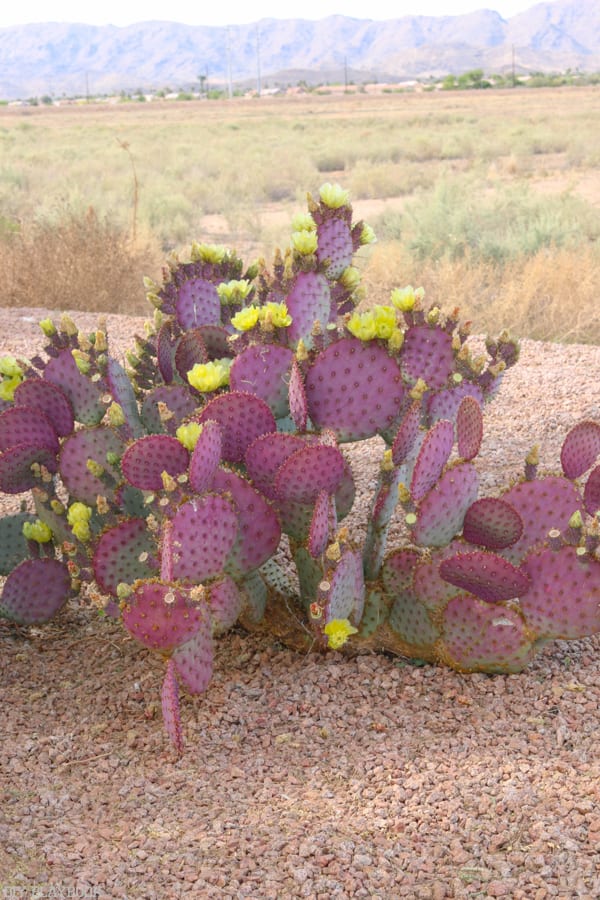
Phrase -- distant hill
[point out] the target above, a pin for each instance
(70, 59)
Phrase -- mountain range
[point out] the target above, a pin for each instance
(73, 59)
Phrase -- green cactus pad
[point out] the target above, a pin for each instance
(190, 350)
(35, 591)
(146, 459)
(479, 637)
(204, 533)
(194, 660)
(259, 529)
(264, 370)
(591, 492)
(308, 301)
(412, 623)
(580, 449)
(427, 354)
(254, 594)
(47, 398)
(13, 544)
(469, 428)
(242, 417)
(266, 454)
(564, 598)
(170, 707)
(95, 444)
(441, 512)
(124, 553)
(83, 394)
(544, 504)
(375, 613)
(161, 616)
(492, 523)
(176, 398)
(16, 474)
(433, 456)
(24, 425)
(225, 602)
(355, 389)
(483, 573)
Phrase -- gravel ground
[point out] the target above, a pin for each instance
(307, 776)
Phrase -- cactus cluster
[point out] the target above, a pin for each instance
(164, 486)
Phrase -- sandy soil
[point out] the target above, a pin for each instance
(316, 777)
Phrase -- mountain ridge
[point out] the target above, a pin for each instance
(71, 58)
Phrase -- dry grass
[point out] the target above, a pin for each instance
(497, 193)
(552, 295)
(79, 263)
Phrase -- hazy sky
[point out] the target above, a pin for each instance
(236, 12)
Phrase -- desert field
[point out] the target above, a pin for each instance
(489, 199)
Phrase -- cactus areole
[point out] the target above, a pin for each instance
(165, 487)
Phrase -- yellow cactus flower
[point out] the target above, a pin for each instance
(333, 195)
(367, 235)
(10, 367)
(188, 434)
(350, 278)
(405, 299)
(48, 327)
(245, 319)
(338, 631)
(385, 321)
(304, 242)
(210, 376)
(234, 291)
(362, 325)
(8, 387)
(209, 253)
(303, 222)
(37, 531)
(276, 314)
(78, 517)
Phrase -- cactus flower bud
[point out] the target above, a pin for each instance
(68, 325)
(115, 415)
(233, 291)
(37, 531)
(303, 222)
(338, 631)
(208, 253)
(48, 327)
(367, 235)
(350, 278)
(275, 314)
(82, 361)
(78, 517)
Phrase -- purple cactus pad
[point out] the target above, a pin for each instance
(16, 474)
(161, 616)
(225, 602)
(307, 472)
(355, 389)
(170, 707)
(177, 399)
(580, 449)
(197, 303)
(318, 535)
(483, 573)
(479, 637)
(24, 425)
(492, 523)
(266, 454)
(146, 459)
(35, 591)
(469, 428)
(335, 243)
(544, 504)
(309, 301)
(124, 553)
(297, 398)
(206, 457)
(242, 417)
(91, 443)
(427, 354)
(204, 533)
(564, 598)
(264, 370)
(433, 456)
(83, 394)
(48, 399)
(591, 492)
(406, 436)
(441, 513)
(194, 660)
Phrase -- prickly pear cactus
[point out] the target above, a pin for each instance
(169, 486)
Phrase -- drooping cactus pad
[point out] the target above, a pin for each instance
(35, 590)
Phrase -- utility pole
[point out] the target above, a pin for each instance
(258, 84)
(229, 81)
